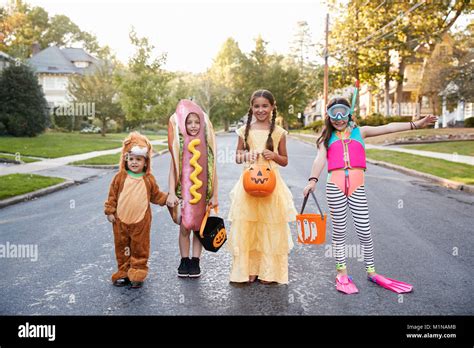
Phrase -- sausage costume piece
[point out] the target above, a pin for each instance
(129, 200)
(193, 161)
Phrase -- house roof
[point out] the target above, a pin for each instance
(54, 60)
(77, 55)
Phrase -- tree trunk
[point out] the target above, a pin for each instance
(104, 127)
(399, 92)
(387, 84)
(387, 96)
(226, 124)
(357, 74)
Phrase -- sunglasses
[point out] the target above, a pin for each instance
(339, 112)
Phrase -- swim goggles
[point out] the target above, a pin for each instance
(339, 112)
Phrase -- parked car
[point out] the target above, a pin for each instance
(233, 127)
(91, 129)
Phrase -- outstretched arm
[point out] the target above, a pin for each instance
(369, 131)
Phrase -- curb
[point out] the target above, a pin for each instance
(38, 193)
(432, 178)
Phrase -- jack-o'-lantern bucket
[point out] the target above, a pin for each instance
(259, 179)
(311, 227)
(212, 234)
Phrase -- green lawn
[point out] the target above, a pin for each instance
(415, 135)
(17, 184)
(465, 148)
(55, 144)
(24, 159)
(111, 159)
(445, 169)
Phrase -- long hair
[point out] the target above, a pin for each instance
(271, 99)
(328, 127)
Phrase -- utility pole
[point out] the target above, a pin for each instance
(326, 68)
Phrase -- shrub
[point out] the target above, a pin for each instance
(23, 108)
(469, 122)
(316, 125)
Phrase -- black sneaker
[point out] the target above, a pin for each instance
(183, 269)
(194, 269)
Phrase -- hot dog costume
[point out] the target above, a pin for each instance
(129, 200)
(194, 162)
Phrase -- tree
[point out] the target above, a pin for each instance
(303, 56)
(23, 108)
(143, 86)
(98, 88)
(461, 71)
(22, 25)
(367, 32)
(222, 90)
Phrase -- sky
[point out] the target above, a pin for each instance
(191, 32)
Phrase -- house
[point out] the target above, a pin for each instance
(415, 101)
(54, 66)
(313, 112)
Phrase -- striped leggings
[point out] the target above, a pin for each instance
(357, 202)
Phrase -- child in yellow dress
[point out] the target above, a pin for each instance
(260, 239)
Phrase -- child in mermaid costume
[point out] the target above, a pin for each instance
(342, 146)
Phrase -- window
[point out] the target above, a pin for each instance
(443, 51)
(54, 82)
(81, 64)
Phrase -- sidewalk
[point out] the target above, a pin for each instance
(440, 155)
(445, 156)
(47, 165)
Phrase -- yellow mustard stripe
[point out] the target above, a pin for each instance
(197, 170)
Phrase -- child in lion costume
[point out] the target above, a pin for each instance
(128, 209)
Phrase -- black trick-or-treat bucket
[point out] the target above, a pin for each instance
(213, 234)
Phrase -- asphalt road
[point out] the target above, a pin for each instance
(422, 235)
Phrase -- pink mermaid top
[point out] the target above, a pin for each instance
(346, 153)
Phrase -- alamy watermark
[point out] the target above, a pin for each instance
(37, 331)
(20, 251)
(350, 251)
(74, 109)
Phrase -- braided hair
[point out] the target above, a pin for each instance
(269, 96)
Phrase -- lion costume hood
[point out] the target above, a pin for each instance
(137, 144)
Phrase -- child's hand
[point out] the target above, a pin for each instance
(426, 121)
(172, 200)
(111, 218)
(213, 202)
(268, 155)
(251, 156)
(309, 188)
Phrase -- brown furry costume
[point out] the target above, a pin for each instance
(129, 201)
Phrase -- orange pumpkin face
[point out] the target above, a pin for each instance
(259, 180)
(219, 238)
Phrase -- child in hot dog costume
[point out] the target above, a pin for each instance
(128, 208)
(192, 178)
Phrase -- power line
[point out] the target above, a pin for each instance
(392, 22)
(383, 35)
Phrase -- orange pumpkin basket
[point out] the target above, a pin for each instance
(259, 179)
(311, 227)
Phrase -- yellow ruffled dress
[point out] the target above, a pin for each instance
(260, 238)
